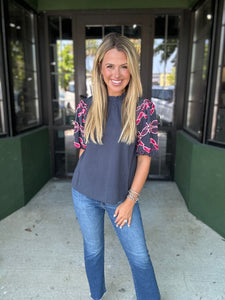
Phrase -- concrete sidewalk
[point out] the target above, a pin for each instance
(41, 252)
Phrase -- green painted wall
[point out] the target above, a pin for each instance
(11, 176)
(108, 4)
(24, 168)
(200, 174)
(36, 161)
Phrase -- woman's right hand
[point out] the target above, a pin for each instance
(123, 213)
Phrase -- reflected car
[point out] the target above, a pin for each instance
(163, 99)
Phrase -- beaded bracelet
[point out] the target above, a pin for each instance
(133, 195)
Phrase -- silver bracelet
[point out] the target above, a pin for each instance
(133, 195)
(132, 191)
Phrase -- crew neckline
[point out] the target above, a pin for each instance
(117, 98)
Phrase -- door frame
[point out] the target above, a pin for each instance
(147, 33)
(144, 18)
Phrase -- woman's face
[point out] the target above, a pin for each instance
(114, 70)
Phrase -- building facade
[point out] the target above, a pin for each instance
(46, 54)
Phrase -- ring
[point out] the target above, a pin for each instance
(125, 221)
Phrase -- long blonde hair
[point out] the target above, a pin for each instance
(97, 115)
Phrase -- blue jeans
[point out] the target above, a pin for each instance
(90, 214)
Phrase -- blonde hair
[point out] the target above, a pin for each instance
(97, 115)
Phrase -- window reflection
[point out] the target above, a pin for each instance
(2, 98)
(2, 119)
(23, 63)
(65, 161)
(199, 69)
(62, 70)
(218, 120)
(161, 165)
(164, 67)
(165, 54)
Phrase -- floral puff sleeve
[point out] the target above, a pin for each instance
(147, 129)
(80, 118)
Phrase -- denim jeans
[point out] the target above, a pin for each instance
(90, 214)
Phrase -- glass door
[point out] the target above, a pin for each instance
(61, 61)
(73, 41)
(164, 70)
(163, 54)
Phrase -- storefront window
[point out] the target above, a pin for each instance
(22, 43)
(2, 98)
(218, 122)
(199, 69)
(2, 118)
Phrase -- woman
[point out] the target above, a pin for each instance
(116, 133)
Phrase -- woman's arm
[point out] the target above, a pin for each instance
(141, 174)
(125, 209)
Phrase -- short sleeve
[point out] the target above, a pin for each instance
(80, 118)
(147, 129)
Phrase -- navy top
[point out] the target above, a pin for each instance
(105, 172)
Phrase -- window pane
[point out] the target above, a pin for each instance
(109, 29)
(65, 152)
(2, 94)
(164, 67)
(62, 70)
(218, 121)
(2, 117)
(161, 165)
(24, 70)
(165, 54)
(199, 68)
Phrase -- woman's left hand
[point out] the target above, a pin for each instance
(123, 213)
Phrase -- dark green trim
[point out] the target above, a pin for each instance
(200, 175)
(108, 4)
(32, 3)
(24, 168)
